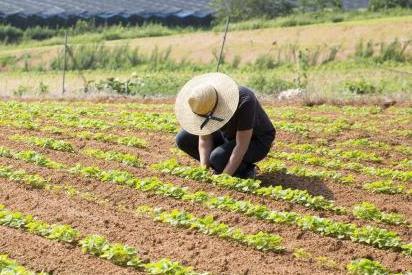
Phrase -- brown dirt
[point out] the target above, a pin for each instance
(155, 240)
(39, 254)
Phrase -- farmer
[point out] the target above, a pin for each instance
(224, 125)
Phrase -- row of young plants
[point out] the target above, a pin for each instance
(10, 267)
(380, 145)
(30, 157)
(377, 237)
(206, 225)
(374, 236)
(49, 143)
(365, 210)
(365, 266)
(323, 149)
(326, 151)
(123, 158)
(63, 146)
(329, 163)
(251, 186)
(209, 226)
(385, 187)
(96, 245)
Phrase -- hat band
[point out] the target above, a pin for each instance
(209, 116)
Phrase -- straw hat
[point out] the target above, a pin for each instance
(206, 103)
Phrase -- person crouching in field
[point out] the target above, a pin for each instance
(223, 125)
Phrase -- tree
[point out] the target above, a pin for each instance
(247, 9)
(375, 5)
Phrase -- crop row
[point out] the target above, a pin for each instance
(276, 166)
(312, 159)
(377, 237)
(364, 210)
(124, 158)
(129, 141)
(9, 266)
(93, 244)
(251, 186)
(353, 155)
(318, 123)
(96, 245)
(208, 225)
(50, 143)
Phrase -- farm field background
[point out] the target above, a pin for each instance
(109, 193)
(371, 55)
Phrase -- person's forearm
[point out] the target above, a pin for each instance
(234, 162)
(205, 148)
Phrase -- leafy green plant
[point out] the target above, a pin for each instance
(110, 138)
(361, 87)
(63, 233)
(9, 266)
(34, 181)
(168, 267)
(96, 245)
(207, 225)
(127, 159)
(366, 266)
(248, 186)
(21, 90)
(50, 143)
(369, 211)
(385, 187)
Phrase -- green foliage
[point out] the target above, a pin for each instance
(10, 34)
(127, 159)
(34, 181)
(376, 5)
(207, 225)
(110, 138)
(11, 267)
(96, 245)
(269, 85)
(21, 90)
(148, 121)
(366, 267)
(167, 267)
(39, 33)
(369, 211)
(385, 187)
(50, 143)
(37, 158)
(360, 87)
(43, 89)
(241, 10)
(63, 233)
(248, 186)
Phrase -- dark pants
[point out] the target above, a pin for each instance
(258, 149)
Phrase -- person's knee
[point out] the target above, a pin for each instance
(218, 160)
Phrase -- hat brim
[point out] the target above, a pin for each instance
(228, 100)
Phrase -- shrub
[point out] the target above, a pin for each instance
(268, 84)
(21, 90)
(240, 10)
(9, 34)
(39, 33)
(376, 5)
(361, 87)
(43, 89)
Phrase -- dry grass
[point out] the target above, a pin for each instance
(250, 44)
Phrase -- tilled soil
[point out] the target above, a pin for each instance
(117, 220)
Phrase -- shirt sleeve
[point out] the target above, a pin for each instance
(247, 113)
